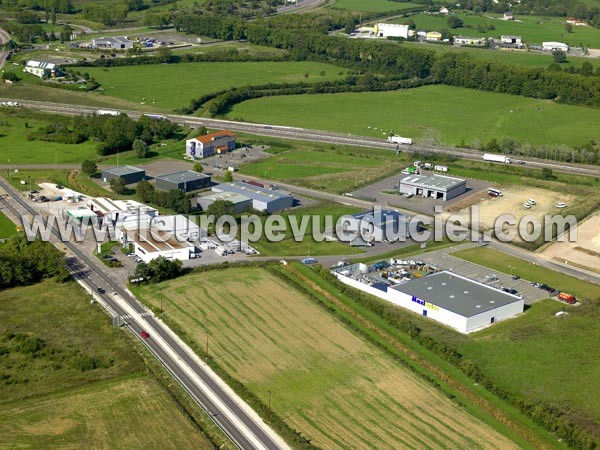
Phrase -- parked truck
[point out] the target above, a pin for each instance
(441, 168)
(496, 158)
(394, 139)
(567, 298)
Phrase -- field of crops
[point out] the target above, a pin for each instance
(325, 382)
(69, 379)
(173, 86)
(430, 113)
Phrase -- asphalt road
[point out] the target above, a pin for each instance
(304, 134)
(4, 38)
(238, 421)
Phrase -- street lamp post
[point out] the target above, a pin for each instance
(9, 170)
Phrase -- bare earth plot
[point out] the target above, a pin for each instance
(326, 382)
(585, 252)
(512, 203)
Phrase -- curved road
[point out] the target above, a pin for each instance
(305, 134)
(237, 420)
(4, 38)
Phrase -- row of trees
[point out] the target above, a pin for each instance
(113, 133)
(23, 262)
(174, 199)
(159, 269)
(455, 69)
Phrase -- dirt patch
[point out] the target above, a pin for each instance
(583, 253)
(512, 203)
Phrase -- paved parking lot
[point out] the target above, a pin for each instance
(442, 259)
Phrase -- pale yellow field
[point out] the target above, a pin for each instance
(132, 413)
(585, 252)
(326, 382)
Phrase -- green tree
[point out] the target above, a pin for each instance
(560, 57)
(118, 185)
(198, 167)
(221, 208)
(455, 22)
(89, 167)
(547, 174)
(228, 177)
(145, 191)
(587, 69)
(140, 148)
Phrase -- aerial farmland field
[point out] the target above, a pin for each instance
(373, 5)
(326, 382)
(174, 85)
(429, 114)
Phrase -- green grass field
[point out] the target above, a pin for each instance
(69, 379)
(533, 29)
(173, 86)
(521, 58)
(430, 113)
(373, 5)
(7, 227)
(17, 149)
(503, 263)
(334, 169)
(328, 384)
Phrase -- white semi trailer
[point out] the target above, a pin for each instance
(399, 140)
(496, 158)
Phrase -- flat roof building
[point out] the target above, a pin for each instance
(240, 202)
(461, 303)
(433, 186)
(112, 43)
(114, 210)
(149, 244)
(129, 174)
(378, 225)
(263, 199)
(43, 69)
(186, 181)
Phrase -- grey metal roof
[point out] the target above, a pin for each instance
(457, 294)
(435, 181)
(252, 191)
(123, 170)
(228, 196)
(183, 176)
(382, 218)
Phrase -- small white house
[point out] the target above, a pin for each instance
(210, 144)
(444, 10)
(508, 16)
(553, 46)
(42, 69)
(510, 39)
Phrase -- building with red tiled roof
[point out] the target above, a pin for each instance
(210, 144)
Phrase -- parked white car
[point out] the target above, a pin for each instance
(561, 205)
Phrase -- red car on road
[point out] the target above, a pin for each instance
(144, 334)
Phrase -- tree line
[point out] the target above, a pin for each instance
(113, 133)
(23, 262)
(454, 69)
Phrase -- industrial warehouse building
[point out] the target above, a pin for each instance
(240, 202)
(210, 144)
(112, 43)
(149, 244)
(129, 174)
(378, 225)
(262, 199)
(43, 69)
(458, 302)
(114, 210)
(433, 186)
(186, 181)
(385, 30)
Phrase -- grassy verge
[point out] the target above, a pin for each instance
(7, 227)
(502, 262)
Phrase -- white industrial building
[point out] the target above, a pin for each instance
(433, 186)
(385, 30)
(554, 46)
(458, 302)
(112, 211)
(149, 244)
(507, 39)
(240, 202)
(372, 226)
(263, 199)
(42, 69)
(465, 40)
(112, 43)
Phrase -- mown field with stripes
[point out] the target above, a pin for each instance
(332, 386)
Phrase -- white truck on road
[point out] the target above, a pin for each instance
(394, 139)
(496, 158)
